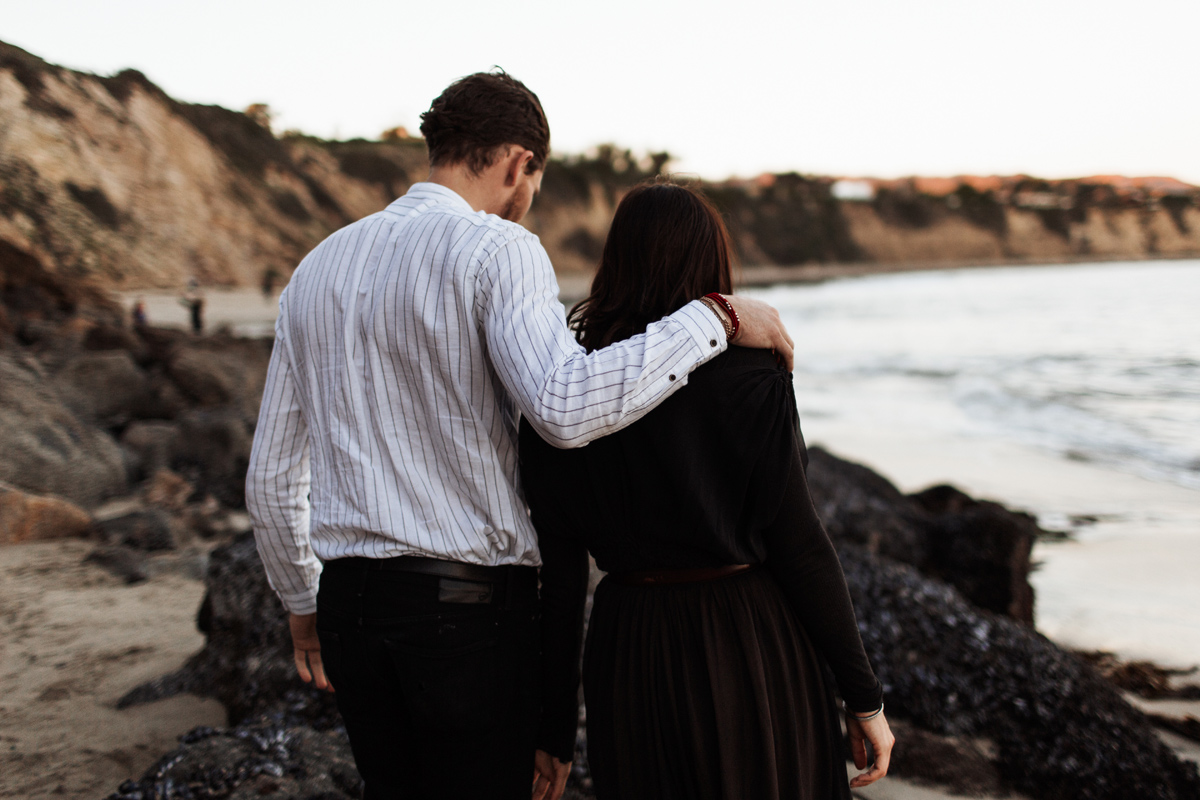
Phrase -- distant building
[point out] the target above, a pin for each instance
(853, 190)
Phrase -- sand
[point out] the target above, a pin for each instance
(73, 639)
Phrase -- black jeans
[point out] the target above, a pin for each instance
(440, 699)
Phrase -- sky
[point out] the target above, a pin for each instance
(884, 88)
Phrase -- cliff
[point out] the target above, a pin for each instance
(107, 182)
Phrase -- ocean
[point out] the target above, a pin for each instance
(1070, 391)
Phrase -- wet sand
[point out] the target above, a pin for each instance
(74, 639)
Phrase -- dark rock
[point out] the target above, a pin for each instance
(213, 452)
(151, 447)
(47, 447)
(221, 371)
(148, 530)
(106, 387)
(260, 758)
(980, 547)
(1143, 678)
(1187, 726)
(952, 669)
(1059, 728)
(246, 662)
(114, 337)
(123, 562)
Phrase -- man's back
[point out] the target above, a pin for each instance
(410, 428)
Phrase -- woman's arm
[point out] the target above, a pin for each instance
(564, 578)
(804, 563)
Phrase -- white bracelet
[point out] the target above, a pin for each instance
(872, 715)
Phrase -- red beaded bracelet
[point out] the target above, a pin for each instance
(723, 301)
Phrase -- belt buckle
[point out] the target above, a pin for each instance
(452, 590)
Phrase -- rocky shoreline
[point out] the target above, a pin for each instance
(137, 441)
(956, 674)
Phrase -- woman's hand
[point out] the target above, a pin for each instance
(549, 776)
(876, 731)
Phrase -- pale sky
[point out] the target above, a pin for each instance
(1056, 88)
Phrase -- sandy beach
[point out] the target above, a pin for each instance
(73, 640)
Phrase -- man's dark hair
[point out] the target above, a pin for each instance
(476, 115)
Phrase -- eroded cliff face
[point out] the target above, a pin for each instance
(108, 179)
(109, 183)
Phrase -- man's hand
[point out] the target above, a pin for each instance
(549, 776)
(879, 734)
(306, 649)
(761, 328)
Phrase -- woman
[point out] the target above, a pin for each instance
(703, 670)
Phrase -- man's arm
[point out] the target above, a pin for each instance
(277, 485)
(572, 397)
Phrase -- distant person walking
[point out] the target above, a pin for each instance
(193, 301)
(270, 278)
(139, 315)
(383, 481)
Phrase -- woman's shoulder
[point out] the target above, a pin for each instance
(739, 365)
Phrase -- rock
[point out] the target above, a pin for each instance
(168, 491)
(151, 447)
(1059, 728)
(114, 337)
(148, 530)
(948, 667)
(221, 371)
(262, 758)
(47, 448)
(32, 518)
(106, 387)
(980, 547)
(213, 452)
(246, 662)
(123, 562)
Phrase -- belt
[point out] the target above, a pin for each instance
(459, 582)
(670, 577)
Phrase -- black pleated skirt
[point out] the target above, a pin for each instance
(707, 691)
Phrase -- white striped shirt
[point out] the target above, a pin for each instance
(408, 345)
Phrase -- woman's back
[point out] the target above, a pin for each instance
(692, 484)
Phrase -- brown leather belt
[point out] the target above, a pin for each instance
(670, 577)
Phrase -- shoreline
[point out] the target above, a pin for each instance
(757, 277)
(574, 285)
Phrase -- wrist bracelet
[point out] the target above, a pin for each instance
(723, 301)
(717, 309)
(872, 715)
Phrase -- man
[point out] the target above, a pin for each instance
(407, 347)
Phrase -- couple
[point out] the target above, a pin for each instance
(413, 350)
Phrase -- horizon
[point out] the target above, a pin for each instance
(937, 90)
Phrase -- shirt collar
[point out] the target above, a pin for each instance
(432, 194)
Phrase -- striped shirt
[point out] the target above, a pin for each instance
(407, 346)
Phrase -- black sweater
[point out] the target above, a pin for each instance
(713, 476)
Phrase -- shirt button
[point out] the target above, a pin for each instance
(671, 377)
(712, 342)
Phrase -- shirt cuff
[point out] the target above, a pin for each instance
(704, 327)
(299, 604)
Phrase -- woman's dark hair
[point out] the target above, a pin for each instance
(476, 115)
(667, 246)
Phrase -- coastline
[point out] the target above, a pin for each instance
(756, 277)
